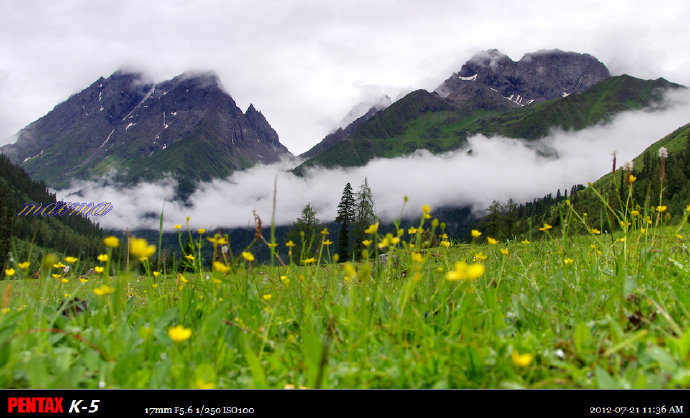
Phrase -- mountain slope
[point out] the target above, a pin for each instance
(510, 221)
(73, 235)
(423, 120)
(143, 131)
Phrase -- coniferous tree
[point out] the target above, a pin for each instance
(303, 233)
(346, 216)
(364, 216)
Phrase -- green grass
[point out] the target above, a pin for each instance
(588, 311)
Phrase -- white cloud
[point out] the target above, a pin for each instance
(497, 169)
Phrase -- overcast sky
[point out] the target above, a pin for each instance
(305, 64)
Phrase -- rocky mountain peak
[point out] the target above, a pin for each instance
(258, 121)
(188, 126)
(537, 76)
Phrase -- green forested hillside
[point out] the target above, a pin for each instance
(72, 235)
(511, 220)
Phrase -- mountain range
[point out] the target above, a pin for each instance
(491, 95)
(129, 129)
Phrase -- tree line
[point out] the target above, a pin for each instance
(355, 213)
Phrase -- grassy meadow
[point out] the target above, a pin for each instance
(557, 310)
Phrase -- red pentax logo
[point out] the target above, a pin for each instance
(35, 405)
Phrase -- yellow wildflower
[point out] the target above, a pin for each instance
(310, 260)
(189, 257)
(372, 228)
(103, 290)
(412, 230)
(324, 232)
(182, 278)
(416, 257)
(218, 266)
(179, 333)
(635, 213)
(631, 178)
(9, 272)
(102, 258)
(505, 251)
(545, 228)
(56, 276)
(201, 231)
(491, 241)
(661, 208)
(268, 296)
(99, 269)
(476, 234)
(58, 265)
(23, 266)
(201, 384)
(217, 240)
(395, 240)
(384, 243)
(522, 360)
(156, 273)
(327, 242)
(64, 280)
(290, 244)
(140, 248)
(445, 244)
(595, 231)
(568, 261)
(83, 279)
(248, 256)
(178, 226)
(111, 242)
(480, 256)
(367, 242)
(70, 260)
(464, 271)
(525, 241)
(349, 270)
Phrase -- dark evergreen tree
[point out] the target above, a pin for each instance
(364, 216)
(303, 233)
(346, 217)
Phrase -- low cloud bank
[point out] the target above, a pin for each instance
(497, 169)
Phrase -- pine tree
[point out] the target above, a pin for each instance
(303, 232)
(346, 216)
(364, 216)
